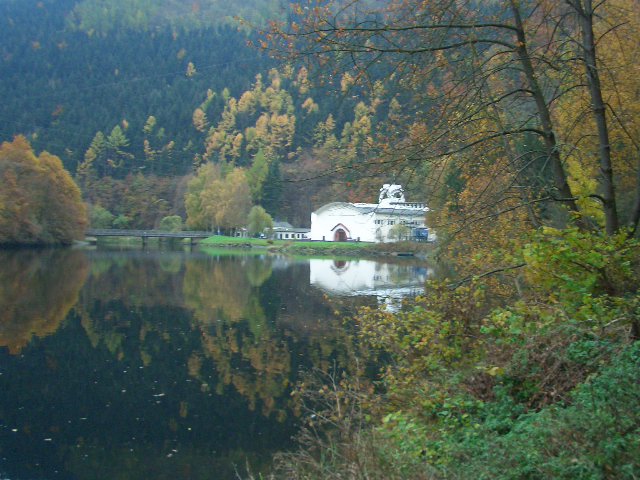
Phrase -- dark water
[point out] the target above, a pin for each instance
(166, 364)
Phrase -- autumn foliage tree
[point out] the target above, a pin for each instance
(218, 198)
(526, 85)
(258, 221)
(519, 119)
(39, 201)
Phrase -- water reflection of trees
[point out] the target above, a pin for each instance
(214, 289)
(252, 325)
(245, 351)
(37, 290)
(192, 353)
(141, 279)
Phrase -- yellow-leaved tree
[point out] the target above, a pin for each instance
(217, 199)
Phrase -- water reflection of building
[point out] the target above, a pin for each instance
(387, 281)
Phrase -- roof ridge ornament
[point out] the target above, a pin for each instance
(391, 192)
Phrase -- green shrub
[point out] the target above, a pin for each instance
(100, 217)
(121, 222)
(172, 223)
(594, 434)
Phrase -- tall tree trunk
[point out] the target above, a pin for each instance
(558, 170)
(585, 11)
(635, 211)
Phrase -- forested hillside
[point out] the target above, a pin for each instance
(108, 15)
(135, 96)
(61, 85)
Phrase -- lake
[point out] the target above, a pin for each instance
(118, 364)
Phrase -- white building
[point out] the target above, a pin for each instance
(286, 231)
(389, 220)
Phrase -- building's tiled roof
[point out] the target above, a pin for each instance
(287, 227)
(396, 210)
(407, 208)
(282, 225)
(401, 211)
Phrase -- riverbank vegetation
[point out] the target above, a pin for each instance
(480, 380)
(524, 363)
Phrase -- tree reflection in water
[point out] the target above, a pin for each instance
(37, 290)
(167, 360)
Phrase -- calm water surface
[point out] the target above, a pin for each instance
(167, 364)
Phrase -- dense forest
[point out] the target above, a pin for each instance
(62, 84)
(134, 98)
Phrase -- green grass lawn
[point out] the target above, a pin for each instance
(221, 240)
(316, 247)
(292, 247)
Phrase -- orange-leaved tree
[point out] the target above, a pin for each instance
(39, 201)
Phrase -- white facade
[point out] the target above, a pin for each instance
(389, 220)
(285, 231)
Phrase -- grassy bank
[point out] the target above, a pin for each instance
(319, 248)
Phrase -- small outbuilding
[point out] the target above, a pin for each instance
(286, 231)
(391, 219)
